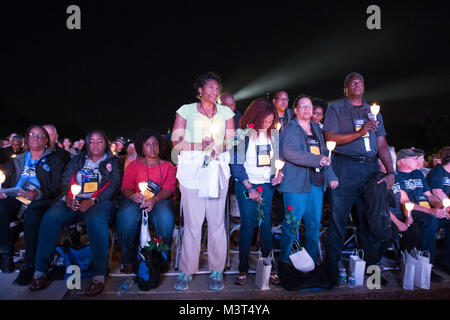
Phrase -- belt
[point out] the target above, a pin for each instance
(355, 158)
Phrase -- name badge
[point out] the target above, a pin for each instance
(315, 150)
(263, 155)
(358, 124)
(424, 204)
(89, 187)
(152, 189)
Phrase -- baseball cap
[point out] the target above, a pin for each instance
(407, 153)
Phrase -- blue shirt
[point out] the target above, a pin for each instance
(28, 175)
(341, 117)
(439, 178)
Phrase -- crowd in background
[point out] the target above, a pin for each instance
(220, 151)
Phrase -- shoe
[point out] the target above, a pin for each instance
(25, 276)
(216, 281)
(274, 279)
(127, 269)
(7, 263)
(241, 279)
(276, 229)
(435, 277)
(183, 281)
(38, 284)
(95, 287)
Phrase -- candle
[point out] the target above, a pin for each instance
(75, 189)
(375, 109)
(143, 186)
(409, 206)
(214, 130)
(279, 164)
(330, 146)
(278, 126)
(2, 178)
(446, 203)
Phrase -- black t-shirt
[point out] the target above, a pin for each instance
(414, 184)
(439, 178)
(313, 145)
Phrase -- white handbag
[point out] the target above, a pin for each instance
(357, 266)
(145, 233)
(408, 270)
(301, 259)
(422, 274)
(263, 269)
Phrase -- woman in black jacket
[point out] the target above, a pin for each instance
(98, 175)
(38, 173)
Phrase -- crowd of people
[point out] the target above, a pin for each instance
(216, 150)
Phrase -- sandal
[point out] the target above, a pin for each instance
(274, 279)
(242, 279)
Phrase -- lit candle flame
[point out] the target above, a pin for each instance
(278, 126)
(2, 178)
(330, 146)
(75, 189)
(375, 109)
(279, 164)
(446, 203)
(143, 186)
(409, 206)
(214, 129)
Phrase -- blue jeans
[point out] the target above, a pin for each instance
(128, 225)
(248, 210)
(32, 217)
(309, 207)
(97, 219)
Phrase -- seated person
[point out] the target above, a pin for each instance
(38, 173)
(421, 233)
(98, 174)
(439, 180)
(161, 178)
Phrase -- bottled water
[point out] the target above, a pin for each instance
(125, 287)
(342, 277)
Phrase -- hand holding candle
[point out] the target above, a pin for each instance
(330, 146)
(278, 126)
(409, 206)
(75, 189)
(143, 186)
(446, 204)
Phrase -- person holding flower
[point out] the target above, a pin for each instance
(254, 154)
(157, 199)
(200, 132)
(307, 174)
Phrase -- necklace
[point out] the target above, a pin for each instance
(204, 110)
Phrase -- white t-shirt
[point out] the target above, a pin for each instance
(258, 175)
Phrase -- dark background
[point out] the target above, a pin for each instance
(133, 64)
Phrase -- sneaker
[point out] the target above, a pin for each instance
(276, 229)
(183, 281)
(25, 276)
(435, 277)
(216, 281)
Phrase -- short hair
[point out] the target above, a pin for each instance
(18, 138)
(87, 144)
(51, 126)
(142, 136)
(27, 134)
(319, 103)
(301, 96)
(205, 77)
(256, 112)
(352, 75)
(444, 154)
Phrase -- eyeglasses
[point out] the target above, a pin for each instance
(303, 106)
(38, 136)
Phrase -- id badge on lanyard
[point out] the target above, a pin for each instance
(152, 189)
(263, 155)
(358, 123)
(89, 181)
(313, 146)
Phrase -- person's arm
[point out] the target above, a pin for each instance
(178, 132)
(400, 225)
(434, 201)
(439, 194)
(385, 156)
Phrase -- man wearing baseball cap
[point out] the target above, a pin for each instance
(427, 207)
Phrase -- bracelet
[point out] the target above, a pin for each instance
(392, 172)
(247, 183)
(251, 189)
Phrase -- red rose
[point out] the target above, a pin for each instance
(259, 189)
(251, 125)
(158, 240)
(289, 208)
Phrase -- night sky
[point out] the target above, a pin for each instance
(133, 64)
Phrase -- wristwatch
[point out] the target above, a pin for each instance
(392, 172)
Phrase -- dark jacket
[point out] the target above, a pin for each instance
(298, 160)
(48, 171)
(109, 186)
(64, 155)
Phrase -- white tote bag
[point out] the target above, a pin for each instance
(301, 259)
(145, 233)
(357, 266)
(208, 178)
(422, 274)
(263, 269)
(408, 270)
